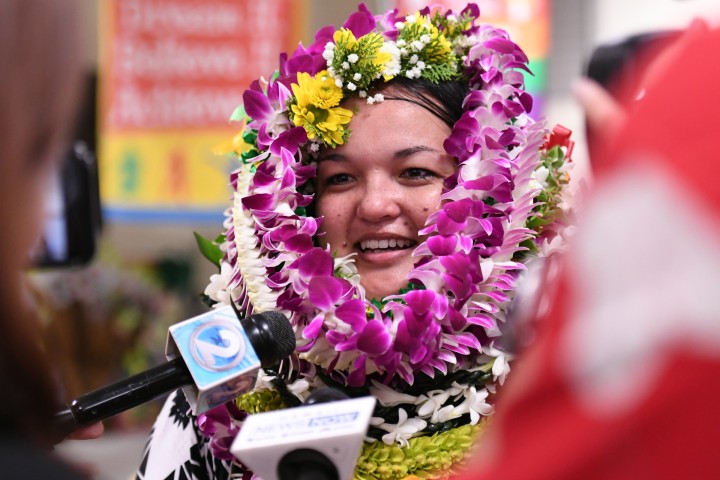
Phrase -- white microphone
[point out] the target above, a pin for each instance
(213, 357)
(321, 441)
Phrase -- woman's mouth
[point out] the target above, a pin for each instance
(385, 245)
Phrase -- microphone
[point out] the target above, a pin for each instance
(320, 440)
(211, 356)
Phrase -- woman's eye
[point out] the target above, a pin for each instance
(338, 179)
(418, 173)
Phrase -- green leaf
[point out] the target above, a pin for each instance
(238, 114)
(555, 157)
(250, 137)
(250, 154)
(209, 249)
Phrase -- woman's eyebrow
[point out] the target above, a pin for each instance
(404, 153)
(333, 156)
(407, 152)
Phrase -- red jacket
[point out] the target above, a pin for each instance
(624, 381)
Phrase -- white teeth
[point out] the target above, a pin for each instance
(384, 244)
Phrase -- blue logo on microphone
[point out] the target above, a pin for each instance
(217, 346)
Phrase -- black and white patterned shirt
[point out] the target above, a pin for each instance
(176, 450)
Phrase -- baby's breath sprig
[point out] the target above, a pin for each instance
(453, 26)
(425, 51)
(356, 63)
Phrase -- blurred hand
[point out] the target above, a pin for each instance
(88, 433)
(604, 115)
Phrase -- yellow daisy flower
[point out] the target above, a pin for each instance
(319, 91)
(316, 108)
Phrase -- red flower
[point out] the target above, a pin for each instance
(560, 136)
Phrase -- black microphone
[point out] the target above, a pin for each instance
(211, 356)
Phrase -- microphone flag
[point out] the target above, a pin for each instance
(218, 354)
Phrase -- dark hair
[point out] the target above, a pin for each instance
(620, 64)
(443, 99)
(619, 68)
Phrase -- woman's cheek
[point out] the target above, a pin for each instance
(330, 208)
(430, 203)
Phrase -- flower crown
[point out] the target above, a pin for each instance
(431, 354)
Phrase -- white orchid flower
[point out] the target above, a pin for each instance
(401, 432)
(217, 289)
(389, 397)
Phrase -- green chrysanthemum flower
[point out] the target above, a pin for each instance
(424, 457)
(260, 401)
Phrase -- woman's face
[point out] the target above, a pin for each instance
(377, 190)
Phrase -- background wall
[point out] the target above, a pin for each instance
(614, 19)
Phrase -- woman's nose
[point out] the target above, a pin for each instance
(381, 200)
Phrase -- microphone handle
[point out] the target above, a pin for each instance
(123, 395)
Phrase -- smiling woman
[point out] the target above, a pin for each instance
(390, 186)
(376, 191)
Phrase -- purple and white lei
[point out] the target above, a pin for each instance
(502, 204)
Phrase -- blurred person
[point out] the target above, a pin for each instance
(618, 73)
(624, 380)
(392, 186)
(41, 62)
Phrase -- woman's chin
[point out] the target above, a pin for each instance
(379, 294)
(378, 285)
(384, 273)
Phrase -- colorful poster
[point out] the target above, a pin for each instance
(171, 74)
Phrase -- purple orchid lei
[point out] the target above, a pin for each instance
(503, 204)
